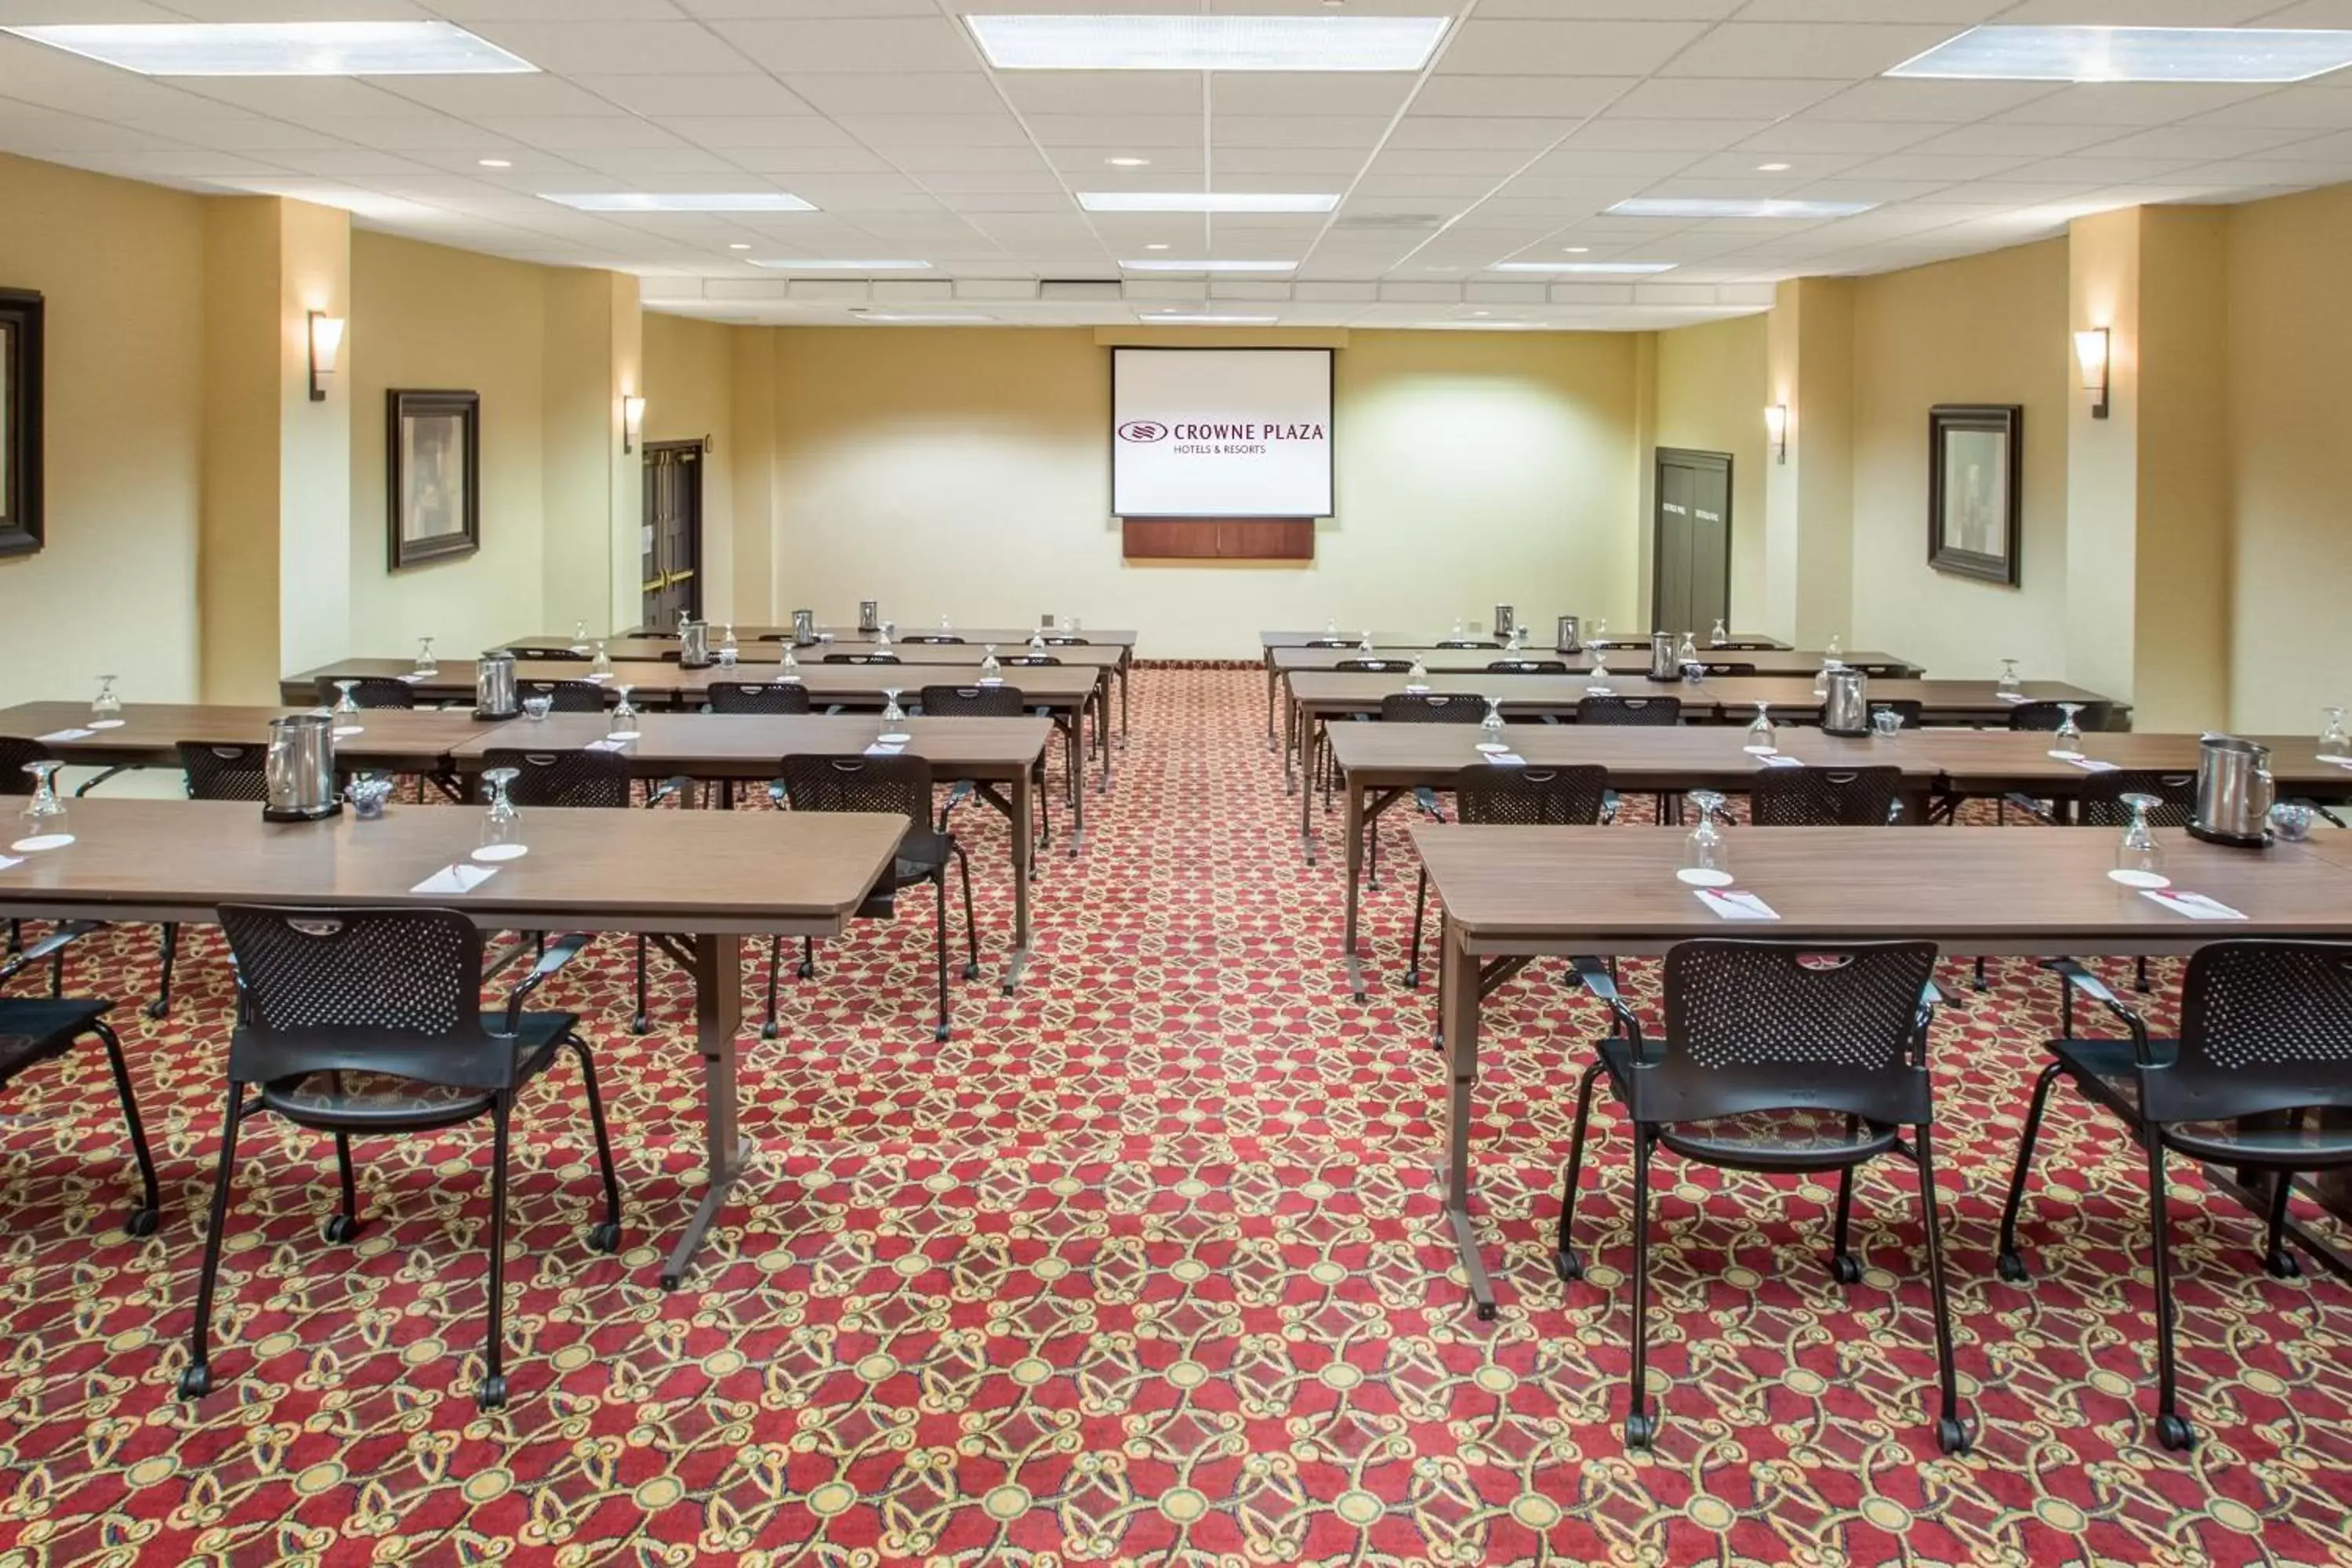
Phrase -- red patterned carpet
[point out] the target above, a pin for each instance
(1143, 1267)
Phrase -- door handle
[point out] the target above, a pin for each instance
(685, 577)
(655, 586)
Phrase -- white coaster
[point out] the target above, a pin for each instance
(2140, 879)
(991, 680)
(1699, 877)
(1762, 751)
(2066, 756)
(41, 841)
(894, 738)
(1599, 691)
(340, 731)
(106, 723)
(1490, 747)
(502, 852)
(623, 734)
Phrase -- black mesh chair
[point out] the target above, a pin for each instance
(1328, 642)
(2101, 805)
(16, 752)
(860, 658)
(1825, 797)
(1374, 666)
(2259, 1081)
(1064, 639)
(1030, 660)
(212, 771)
(1418, 707)
(1466, 642)
(931, 638)
(565, 695)
(821, 782)
(1516, 798)
(988, 702)
(1778, 1057)
(553, 652)
(1715, 666)
(37, 1030)
(2045, 716)
(1629, 710)
(369, 691)
(576, 780)
(361, 1022)
(774, 696)
(1529, 666)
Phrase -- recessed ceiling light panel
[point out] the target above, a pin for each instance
(801, 264)
(1702, 208)
(1623, 268)
(282, 48)
(2134, 53)
(678, 201)
(1165, 264)
(1197, 43)
(1205, 202)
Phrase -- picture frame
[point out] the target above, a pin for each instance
(432, 475)
(23, 527)
(1975, 468)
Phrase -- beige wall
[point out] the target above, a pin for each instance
(2290, 337)
(426, 317)
(121, 267)
(690, 396)
(1985, 329)
(1710, 398)
(968, 473)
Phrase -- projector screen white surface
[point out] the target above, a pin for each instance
(1220, 432)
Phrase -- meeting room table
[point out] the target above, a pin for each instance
(147, 734)
(999, 755)
(1512, 895)
(713, 877)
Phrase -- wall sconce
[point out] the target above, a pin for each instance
(1776, 428)
(633, 423)
(326, 345)
(2091, 353)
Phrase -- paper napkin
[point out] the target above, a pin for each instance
(2196, 905)
(1736, 906)
(458, 879)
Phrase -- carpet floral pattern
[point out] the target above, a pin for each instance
(1144, 1266)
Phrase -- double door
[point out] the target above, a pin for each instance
(1691, 587)
(671, 566)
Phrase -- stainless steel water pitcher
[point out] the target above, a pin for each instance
(301, 770)
(1662, 663)
(494, 685)
(1564, 639)
(1505, 619)
(2234, 792)
(1845, 704)
(693, 645)
(869, 615)
(803, 627)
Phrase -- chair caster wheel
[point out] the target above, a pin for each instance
(1847, 1269)
(943, 1034)
(670, 1281)
(2176, 1433)
(768, 1030)
(1487, 1311)
(1412, 979)
(156, 1009)
(491, 1393)
(1639, 1431)
(605, 1237)
(805, 970)
(196, 1381)
(971, 972)
(641, 1025)
(2281, 1264)
(342, 1228)
(1951, 1436)
(1567, 1265)
(141, 1222)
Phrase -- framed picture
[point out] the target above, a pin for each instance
(20, 421)
(1975, 489)
(433, 465)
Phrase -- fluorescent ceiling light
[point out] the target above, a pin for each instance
(2134, 53)
(1204, 202)
(1696, 207)
(1615, 266)
(678, 201)
(1208, 43)
(1163, 264)
(1164, 319)
(803, 263)
(282, 48)
(910, 317)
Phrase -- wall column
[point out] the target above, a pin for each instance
(1809, 498)
(274, 573)
(2148, 509)
(595, 501)
(753, 457)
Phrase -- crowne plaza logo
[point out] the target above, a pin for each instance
(1143, 431)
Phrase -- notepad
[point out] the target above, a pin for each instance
(1776, 759)
(2012, 696)
(886, 749)
(2196, 905)
(8, 860)
(57, 737)
(1735, 906)
(607, 744)
(459, 878)
(2094, 765)
(413, 676)
(1506, 758)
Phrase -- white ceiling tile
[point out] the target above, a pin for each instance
(883, 132)
(617, 48)
(2202, 141)
(472, 11)
(1116, 134)
(300, 97)
(1816, 166)
(1288, 160)
(1437, 189)
(1916, 98)
(2138, 13)
(476, 97)
(1297, 131)
(2105, 170)
(1810, 135)
(563, 132)
(1491, 162)
(2316, 108)
(742, 130)
(637, 163)
(1721, 98)
(1528, 97)
(2129, 104)
(1804, 50)
(952, 184)
(1380, 93)
(1103, 92)
(1609, 134)
(1422, 131)
(1991, 140)
(917, 160)
(861, 44)
(1575, 162)
(846, 93)
(1956, 14)
(1938, 168)
(698, 95)
(1564, 49)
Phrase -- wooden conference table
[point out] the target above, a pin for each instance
(391, 739)
(761, 654)
(1765, 661)
(1069, 690)
(996, 754)
(1318, 696)
(1379, 762)
(1514, 894)
(714, 877)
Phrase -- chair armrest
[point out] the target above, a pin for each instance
(1593, 974)
(560, 952)
(2071, 974)
(67, 934)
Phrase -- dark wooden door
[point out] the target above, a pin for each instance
(1691, 581)
(672, 538)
